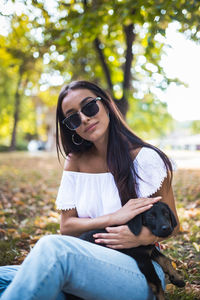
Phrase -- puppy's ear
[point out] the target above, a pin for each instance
(135, 224)
(173, 219)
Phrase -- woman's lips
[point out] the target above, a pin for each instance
(91, 127)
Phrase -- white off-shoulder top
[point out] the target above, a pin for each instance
(96, 194)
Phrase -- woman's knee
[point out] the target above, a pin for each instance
(54, 244)
(48, 243)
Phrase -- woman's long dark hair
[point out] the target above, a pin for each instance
(121, 141)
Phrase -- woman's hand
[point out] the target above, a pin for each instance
(121, 237)
(131, 209)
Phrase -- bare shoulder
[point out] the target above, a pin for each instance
(134, 152)
(72, 162)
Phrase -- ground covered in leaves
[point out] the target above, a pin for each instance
(28, 188)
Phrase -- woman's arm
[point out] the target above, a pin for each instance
(72, 225)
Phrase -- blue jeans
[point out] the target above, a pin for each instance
(67, 264)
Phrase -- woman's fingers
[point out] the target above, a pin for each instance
(131, 209)
(147, 200)
(107, 241)
(112, 232)
(115, 229)
(144, 201)
(105, 235)
(142, 209)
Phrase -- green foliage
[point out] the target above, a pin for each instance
(21, 146)
(195, 126)
(45, 43)
(149, 118)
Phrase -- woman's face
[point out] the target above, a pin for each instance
(91, 128)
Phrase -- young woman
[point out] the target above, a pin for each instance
(110, 176)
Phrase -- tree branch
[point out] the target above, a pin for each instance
(104, 65)
(130, 37)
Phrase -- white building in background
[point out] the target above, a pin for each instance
(177, 141)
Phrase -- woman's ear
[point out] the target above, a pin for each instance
(135, 224)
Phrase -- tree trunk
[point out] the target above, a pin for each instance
(97, 44)
(122, 103)
(16, 114)
(130, 37)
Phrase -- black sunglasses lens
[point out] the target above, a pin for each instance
(90, 109)
(73, 121)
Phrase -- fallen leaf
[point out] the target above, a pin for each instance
(2, 220)
(24, 235)
(174, 265)
(196, 246)
(11, 230)
(170, 287)
(35, 238)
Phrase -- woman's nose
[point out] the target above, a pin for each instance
(83, 117)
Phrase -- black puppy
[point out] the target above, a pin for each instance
(161, 221)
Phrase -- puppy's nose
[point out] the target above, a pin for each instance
(165, 227)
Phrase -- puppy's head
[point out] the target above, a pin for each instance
(159, 219)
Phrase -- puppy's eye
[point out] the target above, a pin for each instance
(166, 214)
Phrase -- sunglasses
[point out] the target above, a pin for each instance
(90, 109)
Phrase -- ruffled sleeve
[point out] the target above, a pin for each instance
(151, 170)
(65, 197)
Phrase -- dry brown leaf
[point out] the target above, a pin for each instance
(11, 230)
(170, 287)
(35, 238)
(2, 220)
(24, 235)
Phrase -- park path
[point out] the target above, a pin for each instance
(185, 159)
(182, 159)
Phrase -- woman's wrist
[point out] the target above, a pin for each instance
(111, 220)
(102, 221)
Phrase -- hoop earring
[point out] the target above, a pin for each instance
(78, 143)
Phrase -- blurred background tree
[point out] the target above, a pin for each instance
(196, 126)
(117, 44)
